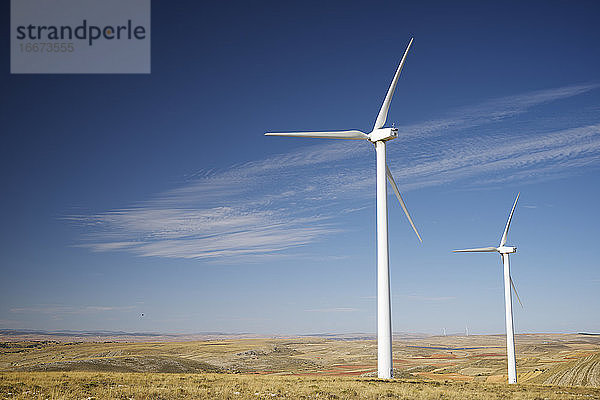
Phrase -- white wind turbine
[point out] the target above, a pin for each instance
(508, 283)
(378, 136)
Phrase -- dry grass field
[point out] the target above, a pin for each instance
(453, 367)
(89, 385)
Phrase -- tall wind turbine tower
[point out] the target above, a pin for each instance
(508, 283)
(379, 136)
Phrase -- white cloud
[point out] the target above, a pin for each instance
(492, 160)
(213, 233)
(270, 208)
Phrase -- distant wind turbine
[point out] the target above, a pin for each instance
(508, 283)
(378, 136)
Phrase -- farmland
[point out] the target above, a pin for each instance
(548, 366)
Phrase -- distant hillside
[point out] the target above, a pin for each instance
(117, 336)
(120, 336)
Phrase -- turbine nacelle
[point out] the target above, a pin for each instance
(383, 134)
(506, 249)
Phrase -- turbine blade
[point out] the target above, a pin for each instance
(327, 134)
(383, 112)
(516, 293)
(393, 183)
(504, 236)
(479, 250)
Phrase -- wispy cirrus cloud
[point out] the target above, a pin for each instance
(272, 207)
(211, 233)
(493, 111)
(506, 158)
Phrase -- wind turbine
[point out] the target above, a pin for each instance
(508, 283)
(378, 136)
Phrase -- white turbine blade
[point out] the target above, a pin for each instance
(479, 250)
(503, 240)
(327, 134)
(393, 183)
(516, 293)
(388, 98)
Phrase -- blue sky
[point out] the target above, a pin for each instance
(159, 194)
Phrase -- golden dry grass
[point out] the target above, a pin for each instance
(85, 385)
